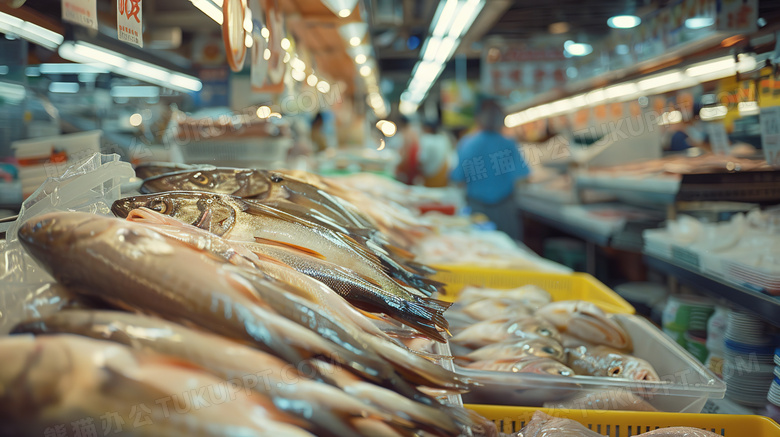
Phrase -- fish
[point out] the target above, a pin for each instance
(467, 421)
(602, 400)
(405, 361)
(47, 381)
(587, 322)
(544, 425)
(326, 410)
(299, 199)
(538, 365)
(238, 220)
(236, 254)
(496, 307)
(152, 169)
(118, 261)
(503, 329)
(539, 347)
(605, 361)
(529, 295)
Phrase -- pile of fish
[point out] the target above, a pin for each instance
(230, 302)
(544, 425)
(523, 331)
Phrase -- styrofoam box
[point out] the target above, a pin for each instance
(70, 143)
(685, 383)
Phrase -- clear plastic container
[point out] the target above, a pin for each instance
(685, 383)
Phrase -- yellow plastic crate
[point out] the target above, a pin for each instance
(630, 423)
(579, 286)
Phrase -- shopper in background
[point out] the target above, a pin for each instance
(408, 170)
(318, 138)
(435, 147)
(491, 166)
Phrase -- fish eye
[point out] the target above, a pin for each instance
(545, 332)
(160, 206)
(200, 178)
(276, 178)
(548, 350)
(615, 370)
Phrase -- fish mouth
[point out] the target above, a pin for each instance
(122, 207)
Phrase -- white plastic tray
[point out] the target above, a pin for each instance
(685, 383)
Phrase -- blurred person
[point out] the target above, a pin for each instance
(435, 148)
(408, 170)
(318, 138)
(491, 166)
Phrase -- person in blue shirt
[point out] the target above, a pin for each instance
(491, 165)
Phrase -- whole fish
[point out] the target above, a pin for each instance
(152, 169)
(48, 381)
(465, 419)
(299, 199)
(587, 322)
(416, 369)
(118, 261)
(503, 329)
(528, 295)
(516, 350)
(325, 409)
(605, 361)
(544, 425)
(495, 307)
(538, 365)
(237, 254)
(238, 220)
(271, 188)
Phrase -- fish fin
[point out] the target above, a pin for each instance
(204, 221)
(363, 251)
(371, 315)
(295, 247)
(399, 252)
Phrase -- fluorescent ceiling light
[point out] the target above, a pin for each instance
(595, 97)
(446, 49)
(210, 9)
(116, 63)
(406, 107)
(432, 45)
(444, 18)
(577, 49)
(135, 91)
(621, 90)
(427, 72)
(713, 112)
(64, 87)
(711, 67)
(699, 22)
(466, 15)
(624, 21)
(30, 31)
(357, 30)
(12, 92)
(68, 68)
(342, 8)
(660, 81)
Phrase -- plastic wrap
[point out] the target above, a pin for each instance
(27, 290)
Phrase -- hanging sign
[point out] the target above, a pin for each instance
(129, 22)
(81, 12)
(719, 140)
(233, 33)
(770, 135)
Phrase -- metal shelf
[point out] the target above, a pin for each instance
(765, 306)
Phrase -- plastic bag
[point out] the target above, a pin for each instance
(91, 185)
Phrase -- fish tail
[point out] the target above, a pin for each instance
(470, 420)
(332, 423)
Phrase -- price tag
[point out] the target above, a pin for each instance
(129, 22)
(81, 12)
(719, 140)
(770, 135)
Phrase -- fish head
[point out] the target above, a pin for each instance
(215, 213)
(532, 327)
(638, 369)
(543, 347)
(236, 182)
(542, 366)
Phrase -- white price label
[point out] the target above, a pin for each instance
(129, 22)
(81, 12)
(770, 135)
(719, 140)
